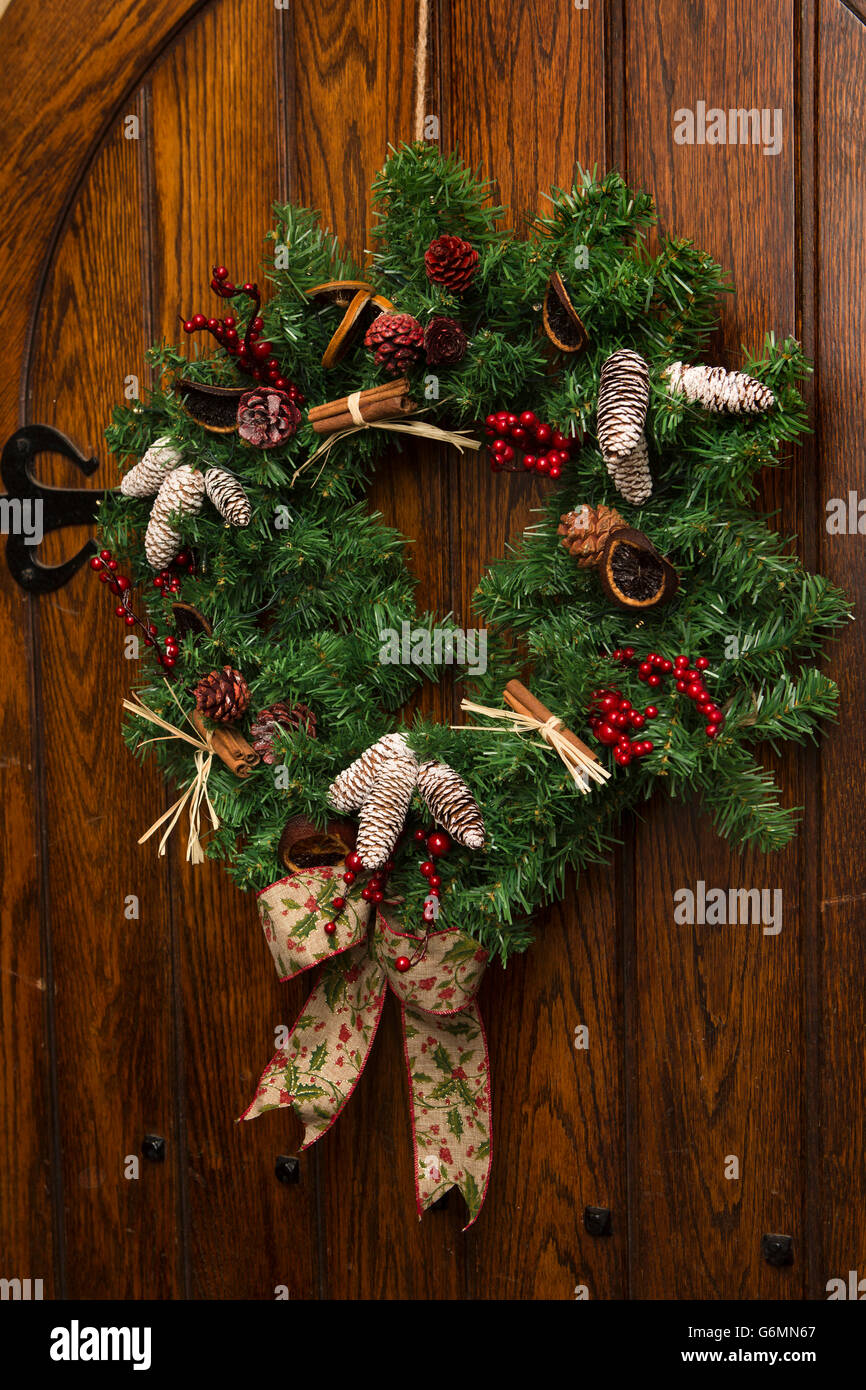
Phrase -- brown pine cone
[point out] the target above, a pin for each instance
(398, 340)
(451, 262)
(585, 531)
(267, 722)
(222, 695)
(267, 417)
(445, 342)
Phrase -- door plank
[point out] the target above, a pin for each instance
(716, 1010)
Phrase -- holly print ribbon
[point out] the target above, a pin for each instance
(443, 1036)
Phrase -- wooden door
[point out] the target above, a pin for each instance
(143, 142)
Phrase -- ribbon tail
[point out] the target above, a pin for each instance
(450, 1105)
(317, 1070)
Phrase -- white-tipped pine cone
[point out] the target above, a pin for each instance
(228, 496)
(181, 494)
(451, 803)
(623, 399)
(148, 475)
(715, 388)
(384, 811)
(349, 791)
(631, 475)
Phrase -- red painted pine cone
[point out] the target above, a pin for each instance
(398, 340)
(451, 262)
(267, 417)
(445, 342)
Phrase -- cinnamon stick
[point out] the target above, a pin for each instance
(385, 408)
(522, 701)
(400, 387)
(238, 755)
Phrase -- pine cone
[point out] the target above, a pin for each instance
(585, 531)
(398, 340)
(228, 496)
(349, 791)
(267, 723)
(222, 695)
(267, 417)
(181, 494)
(444, 342)
(631, 475)
(147, 476)
(451, 803)
(384, 811)
(451, 262)
(733, 393)
(623, 398)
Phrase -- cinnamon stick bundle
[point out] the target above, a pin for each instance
(383, 402)
(238, 755)
(522, 701)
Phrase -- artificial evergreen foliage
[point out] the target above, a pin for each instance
(298, 597)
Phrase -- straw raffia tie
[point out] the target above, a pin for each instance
(196, 794)
(580, 768)
(421, 429)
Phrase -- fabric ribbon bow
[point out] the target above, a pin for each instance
(444, 1042)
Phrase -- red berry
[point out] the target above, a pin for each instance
(559, 441)
(651, 712)
(712, 730)
(667, 667)
(518, 435)
(529, 461)
(637, 721)
(499, 445)
(543, 433)
(681, 687)
(648, 745)
(120, 610)
(168, 661)
(555, 471)
(490, 422)
(402, 963)
(122, 583)
(654, 681)
(543, 464)
(353, 862)
(435, 881)
(378, 896)
(622, 756)
(419, 837)
(220, 272)
(349, 878)
(427, 868)
(96, 563)
(188, 326)
(644, 670)
(528, 420)
(438, 843)
(702, 663)
(338, 904)
(607, 734)
(367, 895)
(506, 454)
(628, 653)
(330, 928)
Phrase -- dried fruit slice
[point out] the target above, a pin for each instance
(633, 573)
(561, 321)
(340, 292)
(304, 846)
(348, 329)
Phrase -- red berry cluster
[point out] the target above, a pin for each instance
(253, 354)
(528, 434)
(169, 582)
(613, 715)
(688, 680)
(106, 566)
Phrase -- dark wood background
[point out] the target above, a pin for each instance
(704, 1041)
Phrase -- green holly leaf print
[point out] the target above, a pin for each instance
(318, 1058)
(455, 1122)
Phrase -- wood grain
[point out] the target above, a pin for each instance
(716, 1010)
(112, 983)
(839, 1182)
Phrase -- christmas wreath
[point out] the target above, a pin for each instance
(649, 631)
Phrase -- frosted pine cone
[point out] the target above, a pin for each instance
(398, 340)
(384, 811)
(732, 393)
(222, 695)
(585, 531)
(451, 803)
(147, 476)
(228, 496)
(181, 494)
(631, 475)
(623, 398)
(349, 791)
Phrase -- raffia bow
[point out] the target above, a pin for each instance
(582, 764)
(316, 1071)
(196, 794)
